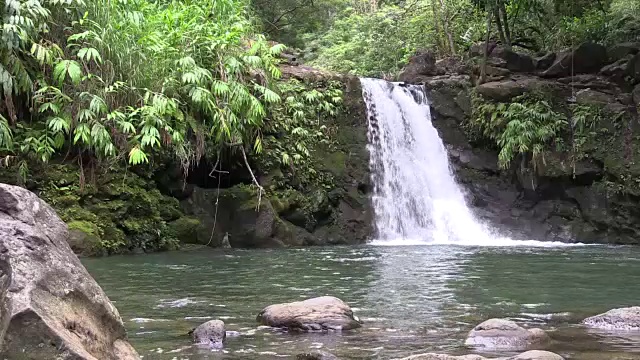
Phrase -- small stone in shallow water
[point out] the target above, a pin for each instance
(502, 334)
(316, 355)
(432, 356)
(529, 355)
(211, 333)
(537, 355)
(317, 314)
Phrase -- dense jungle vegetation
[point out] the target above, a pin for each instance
(124, 90)
(376, 37)
(100, 82)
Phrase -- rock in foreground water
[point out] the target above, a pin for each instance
(501, 334)
(211, 333)
(51, 308)
(536, 355)
(529, 355)
(433, 356)
(316, 355)
(616, 319)
(317, 314)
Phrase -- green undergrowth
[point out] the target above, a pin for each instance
(549, 136)
(302, 164)
(533, 125)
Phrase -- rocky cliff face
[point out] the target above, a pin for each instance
(334, 212)
(587, 190)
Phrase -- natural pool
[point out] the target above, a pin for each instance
(412, 299)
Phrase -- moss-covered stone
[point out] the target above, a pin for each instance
(114, 211)
(186, 229)
(84, 238)
(335, 162)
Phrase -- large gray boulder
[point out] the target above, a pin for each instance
(514, 61)
(211, 334)
(422, 64)
(505, 90)
(317, 314)
(502, 334)
(616, 319)
(51, 308)
(622, 50)
(588, 57)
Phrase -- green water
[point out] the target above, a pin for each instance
(411, 299)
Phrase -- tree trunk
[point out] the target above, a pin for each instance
(436, 26)
(507, 30)
(496, 14)
(485, 57)
(445, 24)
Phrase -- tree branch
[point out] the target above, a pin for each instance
(287, 12)
(253, 177)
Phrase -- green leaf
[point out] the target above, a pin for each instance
(137, 156)
(70, 68)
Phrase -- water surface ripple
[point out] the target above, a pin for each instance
(411, 298)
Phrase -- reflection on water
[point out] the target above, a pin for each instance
(412, 299)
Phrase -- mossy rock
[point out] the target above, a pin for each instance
(84, 238)
(114, 239)
(126, 210)
(185, 229)
(335, 162)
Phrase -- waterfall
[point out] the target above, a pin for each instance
(415, 196)
(416, 199)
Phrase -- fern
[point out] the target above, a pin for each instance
(6, 137)
(120, 80)
(137, 156)
(525, 126)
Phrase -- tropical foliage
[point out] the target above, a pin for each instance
(375, 37)
(531, 125)
(296, 126)
(524, 126)
(111, 80)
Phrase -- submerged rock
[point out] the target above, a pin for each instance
(529, 355)
(433, 356)
(211, 333)
(317, 314)
(501, 334)
(316, 355)
(51, 308)
(616, 319)
(536, 355)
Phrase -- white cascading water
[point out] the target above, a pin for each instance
(415, 196)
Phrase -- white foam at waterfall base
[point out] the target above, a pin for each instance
(415, 196)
